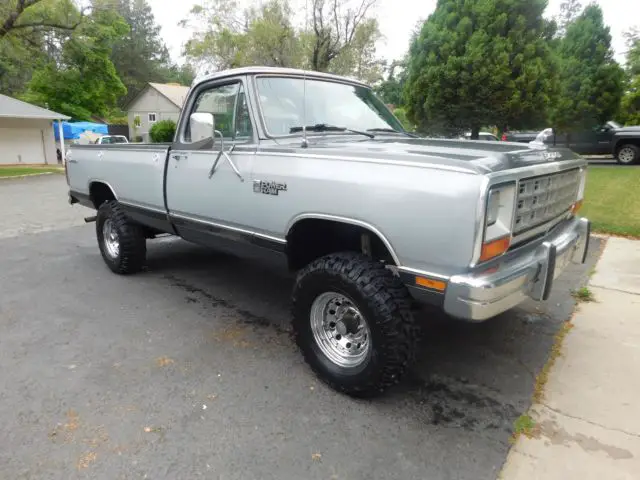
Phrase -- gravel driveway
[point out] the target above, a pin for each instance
(187, 370)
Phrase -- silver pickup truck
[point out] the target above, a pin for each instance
(314, 170)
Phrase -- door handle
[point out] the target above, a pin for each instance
(178, 156)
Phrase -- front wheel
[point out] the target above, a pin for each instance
(352, 320)
(628, 155)
(122, 243)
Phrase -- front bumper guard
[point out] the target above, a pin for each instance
(480, 296)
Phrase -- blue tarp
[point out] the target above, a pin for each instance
(73, 130)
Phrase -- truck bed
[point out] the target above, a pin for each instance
(144, 163)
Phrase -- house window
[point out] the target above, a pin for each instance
(152, 118)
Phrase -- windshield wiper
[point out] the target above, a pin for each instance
(391, 130)
(324, 127)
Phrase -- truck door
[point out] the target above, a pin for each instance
(208, 184)
(596, 141)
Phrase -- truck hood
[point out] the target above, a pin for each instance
(630, 129)
(473, 156)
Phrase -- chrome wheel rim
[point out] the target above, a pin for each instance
(111, 239)
(626, 155)
(340, 330)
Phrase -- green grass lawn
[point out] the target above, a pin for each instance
(612, 200)
(17, 171)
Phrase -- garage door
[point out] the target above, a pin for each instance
(21, 145)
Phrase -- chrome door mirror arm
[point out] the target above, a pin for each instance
(226, 156)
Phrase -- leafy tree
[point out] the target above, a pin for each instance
(480, 62)
(633, 51)
(37, 16)
(390, 90)
(336, 28)
(140, 56)
(31, 34)
(182, 74)
(84, 82)
(162, 131)
(359, 58)
(340, 39)
(225, 37)
(591, 81)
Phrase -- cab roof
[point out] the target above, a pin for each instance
(275, 71)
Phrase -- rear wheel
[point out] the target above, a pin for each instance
(122, 243)
(628, 154)
(353, 323)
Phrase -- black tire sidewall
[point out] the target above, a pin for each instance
(366, 379)
(132, 252)
(636, 151)
(105, 212)
(314, 286)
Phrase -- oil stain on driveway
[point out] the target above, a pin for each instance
(187, 371)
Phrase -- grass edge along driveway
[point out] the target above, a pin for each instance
(612, 200)
(16, 171)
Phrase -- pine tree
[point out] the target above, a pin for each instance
(591, 81)
(569, 11)
(480, 62)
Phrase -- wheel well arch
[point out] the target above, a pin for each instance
(313, 236)
(625, 141)
(100, 192)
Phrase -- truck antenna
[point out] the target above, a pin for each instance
(305, 144)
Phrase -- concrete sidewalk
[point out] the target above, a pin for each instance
(588, 424)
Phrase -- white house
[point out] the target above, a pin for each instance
(157, 101)
(26, 133)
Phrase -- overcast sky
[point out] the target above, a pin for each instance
(397, 18)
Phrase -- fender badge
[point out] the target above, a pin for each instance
(268, 188)
(548, 156)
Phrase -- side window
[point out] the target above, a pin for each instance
(231, 115)
(244, 130)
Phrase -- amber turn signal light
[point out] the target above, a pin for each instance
(438, 285)
(494, 248)
(576, 207)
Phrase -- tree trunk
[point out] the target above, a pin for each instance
(475, 133)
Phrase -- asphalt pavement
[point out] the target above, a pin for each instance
(188, 371)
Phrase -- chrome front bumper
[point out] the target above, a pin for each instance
(528, 274)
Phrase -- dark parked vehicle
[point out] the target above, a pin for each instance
(610, 139)
(520, 137)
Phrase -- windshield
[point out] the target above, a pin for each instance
(613, 124)
(328, 103)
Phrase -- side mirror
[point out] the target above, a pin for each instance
(202, 126)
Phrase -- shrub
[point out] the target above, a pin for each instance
(401, 115)
(162, 131)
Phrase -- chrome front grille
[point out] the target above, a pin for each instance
(545, 198)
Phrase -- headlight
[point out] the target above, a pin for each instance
(498, 221)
